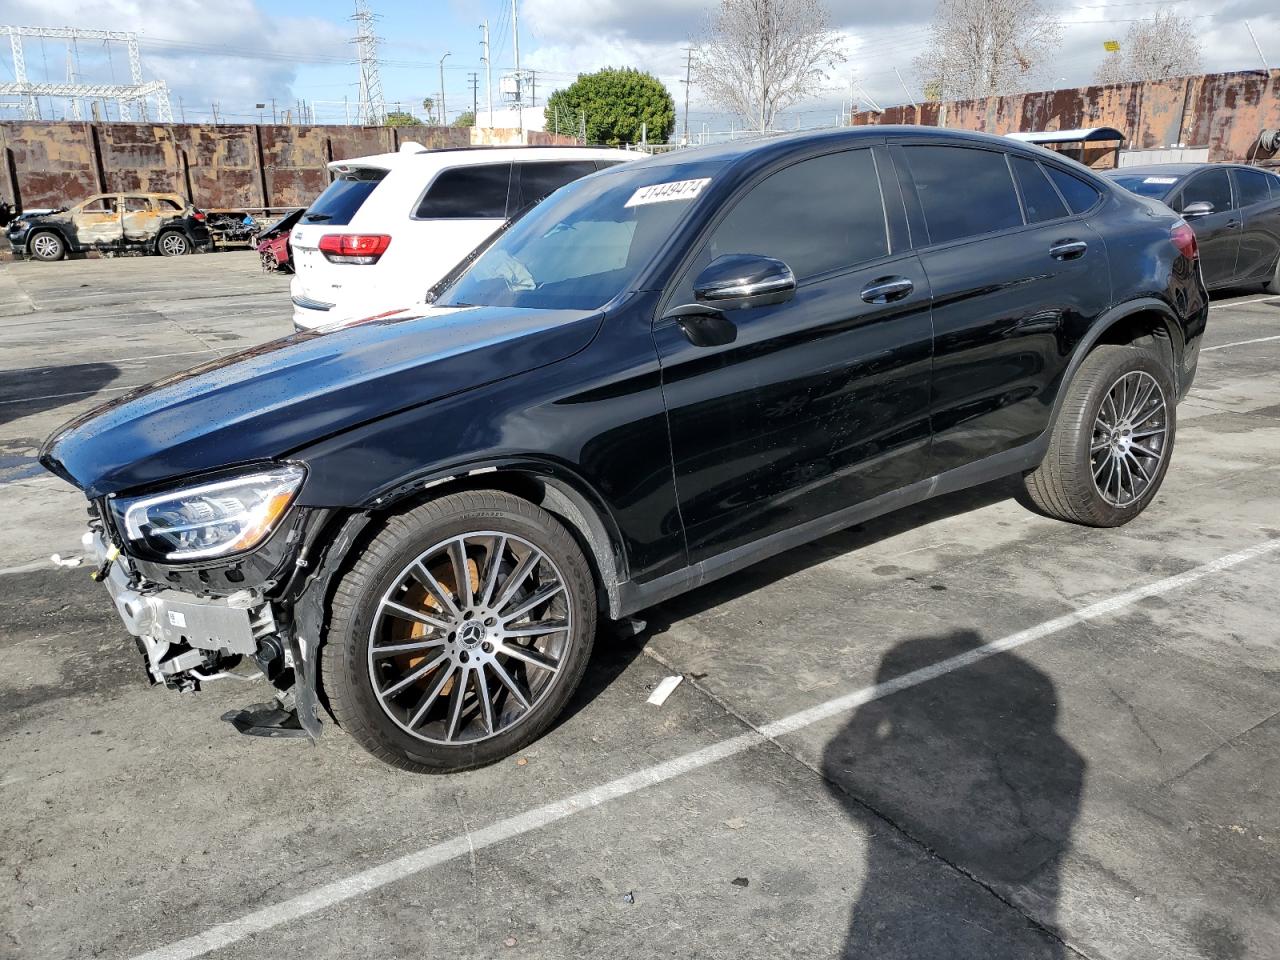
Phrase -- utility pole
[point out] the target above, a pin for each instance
(444, 114)
(274, 118)
(181, 111)
(533, 88)
(688, 80)
(1257, 46)
(515, 40)
(215, 113)
(488, 70)
(475, 95)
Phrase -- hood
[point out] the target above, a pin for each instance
(268, 401)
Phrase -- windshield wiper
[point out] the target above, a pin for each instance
(317, 217)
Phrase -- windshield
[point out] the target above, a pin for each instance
(584, 244)
(1156, 186)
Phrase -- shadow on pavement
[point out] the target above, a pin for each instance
(33, 390)
(971, 766)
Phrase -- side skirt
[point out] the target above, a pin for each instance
(633, 596)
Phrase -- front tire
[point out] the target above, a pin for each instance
(47, 246)
(1112, 441)
(459, 634)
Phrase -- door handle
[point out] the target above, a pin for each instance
(1068, 249)
(887, 289)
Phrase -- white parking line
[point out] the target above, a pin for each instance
(1241, 303)
(339, 891)
(1238, 343)
(78, 393)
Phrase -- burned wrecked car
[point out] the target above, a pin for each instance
(161, 223)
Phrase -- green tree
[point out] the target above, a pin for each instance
(465, 119)
(618, 104)
(400, 118)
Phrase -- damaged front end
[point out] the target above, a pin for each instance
(200, 613)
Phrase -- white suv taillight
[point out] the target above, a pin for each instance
(354, 247)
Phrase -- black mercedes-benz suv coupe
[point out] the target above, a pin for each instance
(660, 374)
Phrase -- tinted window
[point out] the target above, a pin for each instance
(1078, 194)
(538, 180)
(963, 192)
(477, 192)
(1038, 196)
(1253, 187)
(583, 245)
(1212, 186)
(815, 216)
(342, 198)
(1154, 185)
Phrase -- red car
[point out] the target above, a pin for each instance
(273, 244)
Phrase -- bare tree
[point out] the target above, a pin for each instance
(983, 48)
(1165, 46)
(758, 57)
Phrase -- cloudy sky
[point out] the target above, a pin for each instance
(241, 52)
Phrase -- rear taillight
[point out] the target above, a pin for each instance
(1184, 238)
(354, 247)
(198, 214)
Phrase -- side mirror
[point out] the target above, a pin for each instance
(1201, 208)
(744, 280)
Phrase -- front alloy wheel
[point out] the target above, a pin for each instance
(459, 633)
(470, 638)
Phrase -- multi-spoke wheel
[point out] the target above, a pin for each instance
(1111, 444)
(459, 634)
(47, 246)
(1128, 438)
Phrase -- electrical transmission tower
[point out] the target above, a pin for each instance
(126, 95)
(373, 109)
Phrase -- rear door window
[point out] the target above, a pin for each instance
(474, 192)
(963, 191)
(342, 198)
(1252, 186)
(1212, 186)
(1079, 195)
(537, 180)
(136, 204)
(1039, 199)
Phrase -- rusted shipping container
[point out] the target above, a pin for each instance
(1224, 112)
(228, 166)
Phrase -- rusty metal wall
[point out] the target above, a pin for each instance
(50, 164)
(1222, 111)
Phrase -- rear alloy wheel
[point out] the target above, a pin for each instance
(460, 633)
(1273, 285)
(173, 244)
(47, 246)
(1112, 441)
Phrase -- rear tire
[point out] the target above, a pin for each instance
(47, 246)
(401, 706)
(1112, 442)
(173, 244)
(1273, 285)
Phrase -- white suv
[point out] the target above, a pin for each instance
(389, 226)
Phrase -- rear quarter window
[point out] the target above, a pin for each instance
(475, 192)
(342, 198)
(1079, 195)
(1253, 187)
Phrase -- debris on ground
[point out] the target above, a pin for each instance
(664, 689)
(509, 942)
(629, 897)
(735, 823)
(740, 881)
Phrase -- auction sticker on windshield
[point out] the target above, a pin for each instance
(662, 192)
(1168, 180)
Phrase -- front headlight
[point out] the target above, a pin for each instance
(211, 519)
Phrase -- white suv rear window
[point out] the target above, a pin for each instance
(474, 192)
(342, 198)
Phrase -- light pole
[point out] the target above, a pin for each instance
(444, 117)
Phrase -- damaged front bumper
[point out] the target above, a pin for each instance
(188, 640)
